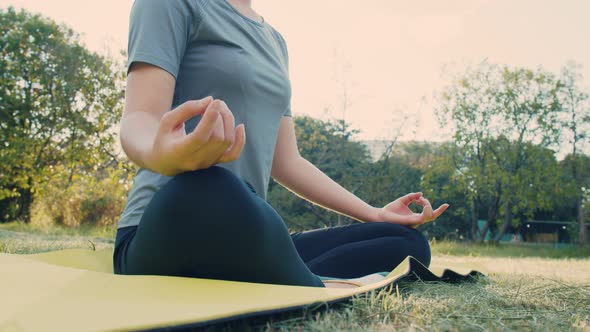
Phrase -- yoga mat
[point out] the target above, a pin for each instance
(76, 290)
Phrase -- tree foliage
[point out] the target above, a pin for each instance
(576, 127)
(58, 105)
(506, 119)
(442, 182)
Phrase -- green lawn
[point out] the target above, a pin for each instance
(529, 288)
(509, 250)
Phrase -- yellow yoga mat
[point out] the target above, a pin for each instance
(76, 290)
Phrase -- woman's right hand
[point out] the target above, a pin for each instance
(214, 140)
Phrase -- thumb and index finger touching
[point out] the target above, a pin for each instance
(409, 198)
(428, 214)
(427, 210)
(191, 108)
(185, 111)
(211, 110)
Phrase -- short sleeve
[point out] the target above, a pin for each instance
(286, 59)
(159, 32)
(288, 111)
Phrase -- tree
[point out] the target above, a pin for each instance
(397, 172)
(576, 126)
(58, 105)
(505, 120)
(572, 203)
(443, 182)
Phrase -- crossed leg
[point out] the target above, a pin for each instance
(360, 249)
(209, 224)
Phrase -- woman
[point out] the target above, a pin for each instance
(198, 203)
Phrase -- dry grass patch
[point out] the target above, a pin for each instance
(499, 303)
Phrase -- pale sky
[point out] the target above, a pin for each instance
(387, 54)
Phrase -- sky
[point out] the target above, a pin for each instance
(386, 56)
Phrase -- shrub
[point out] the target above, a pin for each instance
(95, 199)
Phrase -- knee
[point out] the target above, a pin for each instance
(212, 184)
(414, 242)
(212, 197)
(185, 190)
(210, 178)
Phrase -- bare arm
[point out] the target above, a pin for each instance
(300, 176)
(297, 174)
(148, 97)
(154, 137)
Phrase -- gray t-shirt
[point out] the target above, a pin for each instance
(213, 50)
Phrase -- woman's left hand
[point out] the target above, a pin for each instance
(398, 211)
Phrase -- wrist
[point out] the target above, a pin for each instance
(373, 214)
(150, 161)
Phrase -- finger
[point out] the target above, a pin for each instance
(228, 125)
(215, 142)
(439, 211)
(201, 134)
(206, 154)
(422, 201)
(185, 111)
(434, 214)
(234, 151)
(427, 208)
(409, 198)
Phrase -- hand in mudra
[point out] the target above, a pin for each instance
(214, 140)
(398, 211)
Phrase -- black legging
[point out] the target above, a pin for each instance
(210, 223)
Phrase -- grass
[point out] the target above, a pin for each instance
(529, 288)
(509, 250)
(85, 230)
(503, 303)
(18, 238)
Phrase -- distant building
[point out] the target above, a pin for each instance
(537, 231)
(546, 231)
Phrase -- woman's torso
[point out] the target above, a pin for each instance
(228, 56)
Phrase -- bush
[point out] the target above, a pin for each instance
(90, 199)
